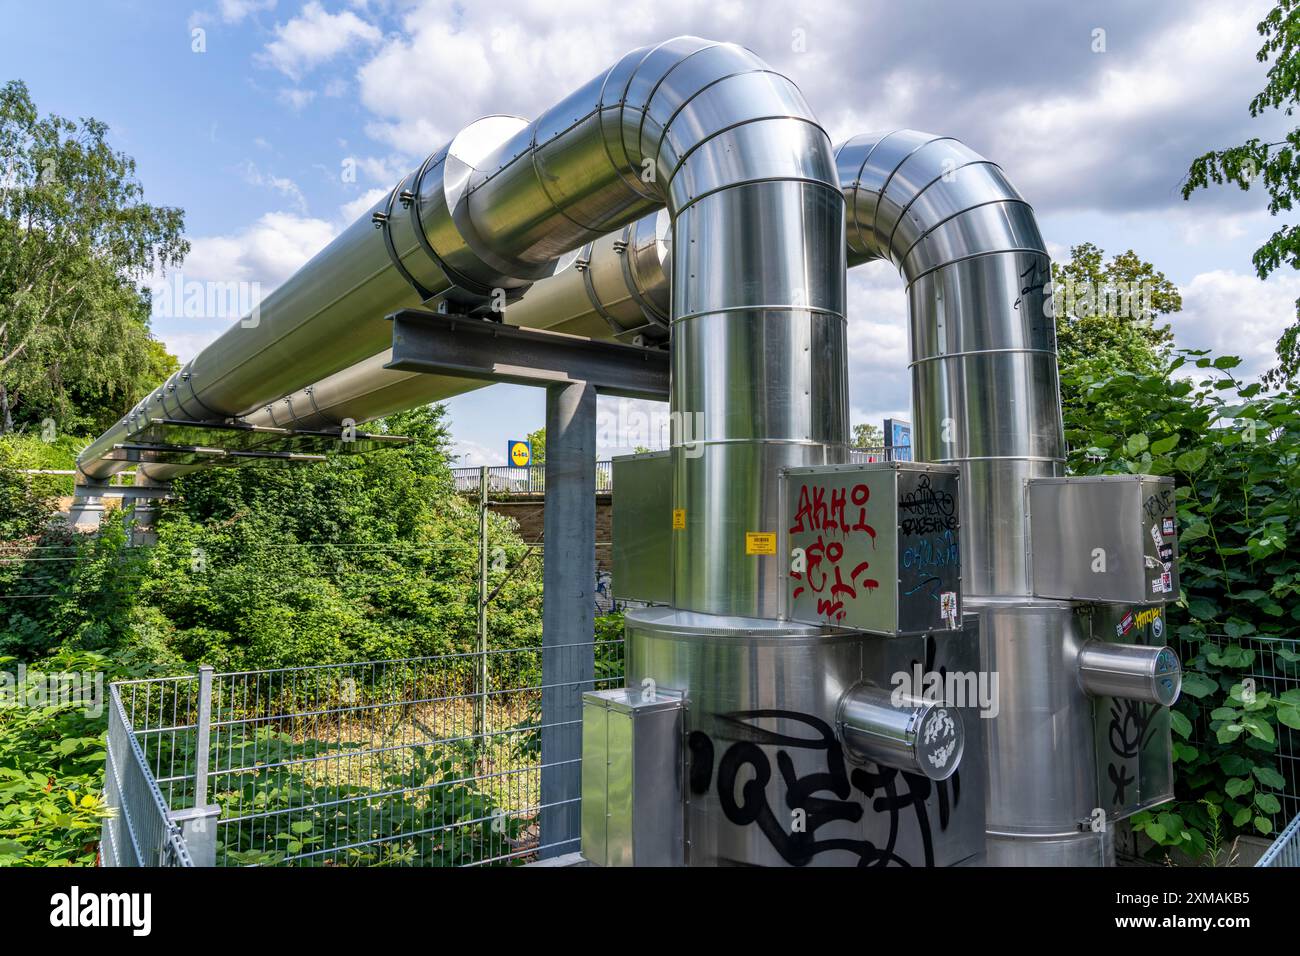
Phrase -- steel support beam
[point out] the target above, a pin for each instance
(477, 349)
(573, 370)
(568, 607)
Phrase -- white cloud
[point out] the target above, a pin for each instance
(267, 252)
(879, 382)
(281, 184)
(295, 98)
(355, 207)
(1234, 314)
(235, 11)
(468, 454)
(315, 36)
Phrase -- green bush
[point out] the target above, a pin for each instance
(1235, 454)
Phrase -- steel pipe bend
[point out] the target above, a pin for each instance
(922, 201)
(492, 211)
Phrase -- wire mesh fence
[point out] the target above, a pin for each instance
(1285, 850)
(431, 761)
(140, 832)
(1274, 666)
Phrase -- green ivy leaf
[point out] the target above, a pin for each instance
(1136, 444)
(1239, 786)
(1164, 445)
(1289, 714)
(1197, 685)
(1192, 460)
(1268, 803)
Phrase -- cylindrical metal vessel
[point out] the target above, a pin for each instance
(768, 781)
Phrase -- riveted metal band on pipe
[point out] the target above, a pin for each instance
(583, 265)
(382, 221)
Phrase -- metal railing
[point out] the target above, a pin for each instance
(528, 480)
(381, 763)
(1285, 850)
(531, 479)
(141, 831)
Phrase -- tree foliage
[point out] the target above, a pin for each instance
(75, 238)
(1274, 164)
(868, 436)
(357, 558)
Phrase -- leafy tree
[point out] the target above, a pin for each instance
(75, 238)
(868, 436)
(1277, 164)
(1108, 312)
(537, 439)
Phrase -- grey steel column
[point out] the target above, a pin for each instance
(568, 608)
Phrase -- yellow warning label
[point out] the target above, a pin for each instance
(760, 542)
(679, 519)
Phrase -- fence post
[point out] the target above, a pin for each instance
(199, 831)
(203, 736)
(481, 668)
(198, 823)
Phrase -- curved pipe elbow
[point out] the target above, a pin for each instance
(922, 201)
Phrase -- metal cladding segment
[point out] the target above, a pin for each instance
(1042, 778)
(759, 380)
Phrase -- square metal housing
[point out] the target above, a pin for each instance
(880, 546)
(1107, 538)
(642, 527)
(632, 796)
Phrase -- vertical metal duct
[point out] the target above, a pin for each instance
(985, 395)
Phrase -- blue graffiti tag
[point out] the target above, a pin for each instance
(940, 551)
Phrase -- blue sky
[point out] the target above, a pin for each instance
(251, 135)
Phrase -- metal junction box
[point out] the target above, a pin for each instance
(642, 527)
(1110, 538)
(632, 797)
(873, 547)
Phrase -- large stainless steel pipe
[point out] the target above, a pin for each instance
(330, 313)
(680, 125)
(985, 395)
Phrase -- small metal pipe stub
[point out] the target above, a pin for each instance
(1153, 675)
(918, 736)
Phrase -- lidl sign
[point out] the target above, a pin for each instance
(520, 453)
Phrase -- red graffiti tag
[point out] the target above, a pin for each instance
(830, 514)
